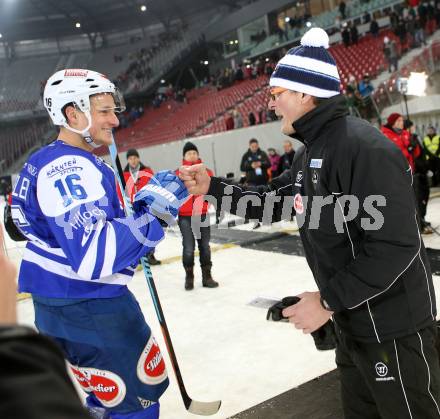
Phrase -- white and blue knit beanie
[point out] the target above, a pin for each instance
(309, 68)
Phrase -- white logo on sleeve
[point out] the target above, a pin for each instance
(161, 191)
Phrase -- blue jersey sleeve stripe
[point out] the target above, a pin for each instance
(110, 251)
(66, 271)
(88, 263)
(101, 253)
(47, 254)
(38, 281)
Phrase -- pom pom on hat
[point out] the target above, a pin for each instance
(315, 37)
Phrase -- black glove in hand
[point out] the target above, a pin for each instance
(324, 337)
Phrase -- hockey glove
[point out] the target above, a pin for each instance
(324, 337)
(164, 194)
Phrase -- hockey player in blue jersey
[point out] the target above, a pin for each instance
(82, 250)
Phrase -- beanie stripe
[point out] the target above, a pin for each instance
(320, 54)
(312, 64)
(303, 88)
(306, 78)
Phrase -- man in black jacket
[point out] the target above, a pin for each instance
(351, 191)
(287, 158)
(255, 164)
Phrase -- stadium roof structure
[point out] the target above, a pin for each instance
(48, 19)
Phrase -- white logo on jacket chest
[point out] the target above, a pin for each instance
(316, 163)
(299, 178)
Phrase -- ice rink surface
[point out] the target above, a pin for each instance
(225, 347)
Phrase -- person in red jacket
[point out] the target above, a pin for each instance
(136, 176)
(393, 130)
(191, 208)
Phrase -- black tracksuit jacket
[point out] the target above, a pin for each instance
(377, 281)
(246, 167)
(34, 381)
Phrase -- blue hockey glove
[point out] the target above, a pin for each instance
(164, 194)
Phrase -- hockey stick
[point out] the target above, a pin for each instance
(193, 406)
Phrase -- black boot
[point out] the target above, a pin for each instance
(189, 278)
(152, 260)
(207, 280)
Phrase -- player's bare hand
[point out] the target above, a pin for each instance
(8, 286)
(307, 314)
(196, 179)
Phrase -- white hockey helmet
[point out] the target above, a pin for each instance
(75, 86)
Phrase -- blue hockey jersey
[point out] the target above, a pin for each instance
(81, 245)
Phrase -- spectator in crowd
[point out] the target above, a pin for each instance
(239, 76)
(390, 53)
(352, 84)
(229, 121)
(248, 71)
(261, 115)
(354, 98)
(238, 119)
(354, 34)
(281, 34)
(195, 207)
(422, 12)
(401, 31)
(374, 28)
(419, 32)
(420, 176)
(287, 157)
(252, 119)
(366, 18)
(365, 87)
(394, 130)
(136, 176)
(270, 115)
(254, 164)
(432, 147)
(274, 159)
(342, 9)
(268, 68)
(345, 33)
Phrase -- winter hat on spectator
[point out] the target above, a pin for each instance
(393, 118)
(309, 68)
(132, 152)
(188, 147)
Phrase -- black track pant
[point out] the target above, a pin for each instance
(421, 189)
(397, 379)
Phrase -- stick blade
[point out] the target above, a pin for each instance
(204, 408)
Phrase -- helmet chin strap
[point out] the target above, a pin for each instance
(85, 132)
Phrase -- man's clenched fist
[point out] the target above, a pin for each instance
(196, 179)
